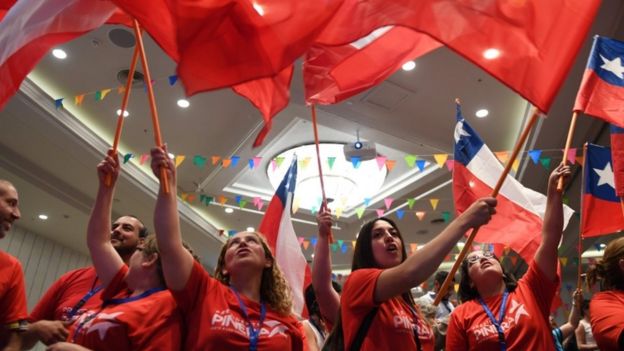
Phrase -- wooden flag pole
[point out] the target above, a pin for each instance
(449, 278)
(152, 100)
(567, 147)
(124, 105)
(318, 162)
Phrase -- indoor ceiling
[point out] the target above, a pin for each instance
(51, 154)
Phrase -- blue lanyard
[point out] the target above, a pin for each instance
(254, 334)
(497, 323)
(108, 302)
(82, 301)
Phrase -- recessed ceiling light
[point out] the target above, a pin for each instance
(43, 217)
(491, 54)
(184, 103)
(482, 113)
(259, 9)
(126, 113)
(59, 54)
(228, 210)
(409, 65)
(171, 156)
(250, 229)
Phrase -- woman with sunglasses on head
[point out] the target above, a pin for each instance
(496, 312)
(378, 289)
(607, 306)
(246, 306)
(137, 310)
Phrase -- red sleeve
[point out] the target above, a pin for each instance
(45, 308)
(197, 286)
(542, 288)
(13, 302)
(359, 289)
(117, 285)
(606, 311)
(456, 338)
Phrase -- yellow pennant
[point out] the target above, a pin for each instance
(440, 159)
(179, 159)
(434, 203)
(515, 165)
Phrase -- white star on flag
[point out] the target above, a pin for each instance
(614, 66)
(606, 175)
(459, 131)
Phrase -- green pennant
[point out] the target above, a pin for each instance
(199, 161)
(446, 216)
(127, 157)
(566, 200)
(334, 247)
(410, 160)
(98, 95)
(410, 203)
(279, 160)
(360, 211)
(242, 203)
(545, 162)
(340, 243)
(208, 200)
(330, 161)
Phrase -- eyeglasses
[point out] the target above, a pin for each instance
(475, 258)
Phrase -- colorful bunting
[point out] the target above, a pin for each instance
(390, 164)
(143, 159)
(356, 161)
(199, 161)
(400, 214)
(502, 156)
(410, 202)
(446, 216)
(410, 160)
(179, 159)
(127, 157)
(421, 165)
(388, 202)
(331, 161)
(420, 215)
(380, 212)
(535, 155)
(449, 165)
(58, 103)
(434, 203)
(359, 211)
(563, 260)
(226, 162)
(381, 161)
(172, 79)
(545, 162)
(78, 99)
(572, 155)
(215, 160)
(222, 200)
(234, 159)
(440, 159)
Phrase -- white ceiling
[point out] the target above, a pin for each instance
(51, 154)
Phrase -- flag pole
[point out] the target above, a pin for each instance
(579, 248)
(124, 105)
(318, 162)
(567, 147)
(152, 101)
(449, 278)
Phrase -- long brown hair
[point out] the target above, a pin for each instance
(274, 289)
(607, 270)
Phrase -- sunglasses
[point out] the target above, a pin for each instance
(476, 258)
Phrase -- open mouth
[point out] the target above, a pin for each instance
(243, 250)
(392, 248)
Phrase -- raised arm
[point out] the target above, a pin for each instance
(546, 255)
(177, 262)
(105, 259)
(423, 263)
(575, 315)
(327, 298)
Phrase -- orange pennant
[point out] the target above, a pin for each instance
(215, 160)
(222, 200)
(78, 99)
(420, 215)
(226, 162)
(390, 164)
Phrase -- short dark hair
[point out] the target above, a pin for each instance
(441, 276)
(467, 292)
(143, 232)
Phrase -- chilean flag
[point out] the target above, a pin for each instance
(602, 90)
(520, 211)
(278, 229)
(602, 212)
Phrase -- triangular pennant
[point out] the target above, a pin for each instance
(390, 164)
(380, 212)
(259, 205)
(421, 165)
(234, 160)
(338, 212)
(515, 165)
(367, 201)
(446, 216)
(191, 198)
(440, 159)
(330, 161)
(306, 244)
(388, 202)
(215, 160)
(535, 155)
(413, 247)
(410, 160)
(295, 205)
(127, 157)
(434, 203)
(199, 161)
(449, 165)
(305, 162)
(208, 200)
(400, 214)
(121, 89)
(572, 155)
(78, 99)
(340, 242)
(353, 242)
(502, 156)
(179, 159)
(279, 161)
(104, 93)
(226, 162)
(545, 162)
(420, 215)
(251, 163)
(58, 103)
(184, 196)
(359, 211)
(301, 240)
(334, 247)
(381, 161)
(563, 260)
(98, 95)
(231, 232)
(144, 158)
(238, 199)
(222, 200)
(356, 161)
(313, 240)
(273, 165)
(410, 202)
(344, 248)
(173, 79)
(257, 161)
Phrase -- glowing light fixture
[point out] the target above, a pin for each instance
(491, 54)
(59, 54)
(482, 113)
(409, 65)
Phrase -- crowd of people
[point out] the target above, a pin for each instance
(148, 291)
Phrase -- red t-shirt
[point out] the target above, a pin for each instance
(65, 293)
(525, 323)
(607, 318)
(393, 325)
(12, 296)
(149, 323)
(216, 321)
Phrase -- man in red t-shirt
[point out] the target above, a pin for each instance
(78, 290)
(12, 291)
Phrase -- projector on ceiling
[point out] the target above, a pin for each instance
(362, 149)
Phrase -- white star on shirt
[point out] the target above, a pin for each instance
(102, 327)
(459, 131)
(606, 175)
(614, 66)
